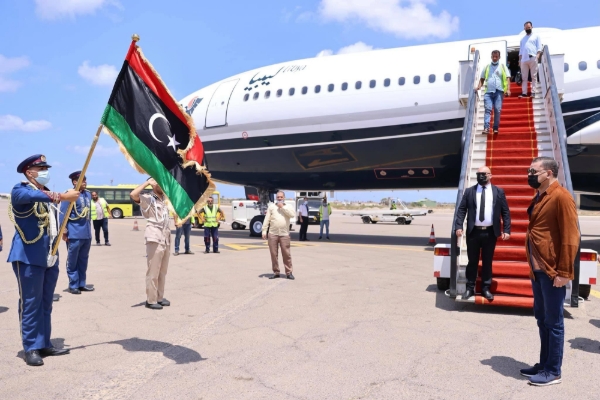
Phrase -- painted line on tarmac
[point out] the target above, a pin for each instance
(595, 293)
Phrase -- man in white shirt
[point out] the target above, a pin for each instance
(303, 215)
(485, 204)
(277, 223)
(529, 56)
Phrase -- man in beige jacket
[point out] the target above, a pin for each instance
(277, 223)
(158, 241)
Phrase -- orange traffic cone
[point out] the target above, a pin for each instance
(135, 226)
(432, 237)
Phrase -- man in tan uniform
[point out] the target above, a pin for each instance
(277, 222)
(158, 241)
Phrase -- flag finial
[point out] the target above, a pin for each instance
(135, 37)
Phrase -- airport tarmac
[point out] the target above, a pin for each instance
(362, 320)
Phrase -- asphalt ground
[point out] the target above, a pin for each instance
(362, 320)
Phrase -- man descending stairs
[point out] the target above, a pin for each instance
(522, 136)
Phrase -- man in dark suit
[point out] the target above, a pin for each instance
(485, 204)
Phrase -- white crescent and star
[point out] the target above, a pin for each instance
(172, 141)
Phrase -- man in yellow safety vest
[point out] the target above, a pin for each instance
(496, 79)
(210, 216)
(100, 214)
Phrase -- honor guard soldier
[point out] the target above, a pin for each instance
(78, 236)
(33, 212)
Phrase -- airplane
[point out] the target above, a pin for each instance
(333, 123)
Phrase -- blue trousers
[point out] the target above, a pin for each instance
(548, 303)
(185, 230)
(214, 233)
(36, 288)
(492, 100)
(77, 261)
(326, 223)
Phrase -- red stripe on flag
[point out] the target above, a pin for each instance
(149, 77)
(196, 153)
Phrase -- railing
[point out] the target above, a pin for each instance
(468, 134)
(559, 141)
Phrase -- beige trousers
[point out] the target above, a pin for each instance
(274, 243)
(531, 65)
(158, 262)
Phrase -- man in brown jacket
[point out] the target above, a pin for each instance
(552, 242)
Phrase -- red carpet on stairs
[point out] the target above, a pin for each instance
(509, 154)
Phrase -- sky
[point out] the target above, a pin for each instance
(59, 60)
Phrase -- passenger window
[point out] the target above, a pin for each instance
(279, 92)
(246, 97)
(386, 82)
(330, 87)
(417, 79)
(566, 67)
(292, 91)
(256, 94)
(109, 195)
(304, 90)
(345, 84)
(447, 77)
(358, 85)
(431, 78)
(121, 195)
(401, 81)
(582, 66)
(318, 89)
(372, 83)
(267, 94)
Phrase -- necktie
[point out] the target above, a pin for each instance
(482, 205)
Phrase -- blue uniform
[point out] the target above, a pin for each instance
(36, 279)
(79, 233)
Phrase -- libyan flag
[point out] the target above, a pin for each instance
(156, 136)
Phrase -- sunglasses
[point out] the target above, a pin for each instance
(532, 171)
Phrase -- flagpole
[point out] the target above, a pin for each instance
(77, 187)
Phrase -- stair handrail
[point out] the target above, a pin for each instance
(558, 131)
(466, 146)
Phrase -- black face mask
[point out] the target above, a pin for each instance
(533, 181)
(528, 31)
(482, 179)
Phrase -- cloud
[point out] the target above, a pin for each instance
(102, 75)
(357, 47)
(100, 150)
(55, 9)
(14, 123)
(408, 19)
(8, 66)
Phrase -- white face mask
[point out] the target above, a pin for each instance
(43, 177)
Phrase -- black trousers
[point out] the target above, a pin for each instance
(480, 242)
(303, 228)
(101, 223)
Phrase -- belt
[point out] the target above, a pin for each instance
(483, 228)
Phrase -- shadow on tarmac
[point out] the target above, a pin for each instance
(595, 322)
(3, 309)
(506, 366)
(179, 354)
(585, 344)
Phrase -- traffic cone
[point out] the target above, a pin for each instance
(135, 225)
(432, 237)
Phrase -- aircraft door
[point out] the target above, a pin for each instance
(485, 51)
(216, 114)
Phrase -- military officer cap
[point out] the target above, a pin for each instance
(38, 160)
(75, 176)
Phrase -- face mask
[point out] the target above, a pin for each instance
(43, 177)
(482, 179)
(528, 31)
(533, 181)
(495, 62)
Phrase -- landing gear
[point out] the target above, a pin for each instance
(264, 196)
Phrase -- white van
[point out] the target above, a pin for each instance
(242, 213)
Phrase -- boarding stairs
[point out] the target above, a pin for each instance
(529, 128)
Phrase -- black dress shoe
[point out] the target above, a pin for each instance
(206, 251)
(33, 358)
(107, 244)
(290, 276)
(216, 251)
(468, 293)
(164, 303)
(74, 291)
(51, 351)
(154, 306)
(487, 294)
(86, 289)
(189, 252)
(275, 276)
(176, 253)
